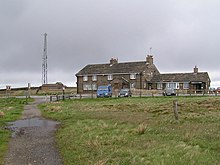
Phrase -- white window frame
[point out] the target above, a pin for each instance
(159, 85)
(110, 77)
(94, 86)
(174, 85)
(86, 87)
(94, 77)
(132, 85)
(85, 78)
(89, 87)
(133, 76)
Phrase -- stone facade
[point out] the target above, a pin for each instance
(137, 75)
(118, 75)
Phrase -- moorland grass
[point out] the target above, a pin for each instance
(137, 130)
(10, 110)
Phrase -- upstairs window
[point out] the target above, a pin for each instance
(94, 78)
(133, 76)
(110, 77)
(85, 78)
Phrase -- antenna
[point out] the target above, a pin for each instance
(44, 61)
(150, 50)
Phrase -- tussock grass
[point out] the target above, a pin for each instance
(2, 114)
(138, 130)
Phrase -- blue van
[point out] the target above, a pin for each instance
(104, 91)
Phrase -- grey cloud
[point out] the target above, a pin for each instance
(80, 32)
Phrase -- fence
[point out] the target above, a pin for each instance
(137, 93)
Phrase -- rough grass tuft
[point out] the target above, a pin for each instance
(141, 129)
(55, 109)
(2, 114)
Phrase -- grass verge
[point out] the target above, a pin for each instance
(10, 110)
(138, 130)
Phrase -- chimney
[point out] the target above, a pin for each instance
(195, 70)
(113, 61)
(149, 59)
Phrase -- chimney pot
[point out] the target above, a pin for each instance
(113, 61)
(195, 70)
(149, 59)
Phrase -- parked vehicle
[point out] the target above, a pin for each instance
(169, 92)
(218, 90)
(125, 93)
(104, 91)
(212, 90)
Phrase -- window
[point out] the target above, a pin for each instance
(94, 78)
(159, 85)
(110, 77)
(133, 76)
(94, 87)
(85, 78)
(173, 85)
(86, 87)
(132, 85)
(89, 87)
(185, 85)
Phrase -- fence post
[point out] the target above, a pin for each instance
(175, 109)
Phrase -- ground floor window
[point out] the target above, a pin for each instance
(132, 85)
(159, 85)
(185, 85)
(89, 87)
(173, 85)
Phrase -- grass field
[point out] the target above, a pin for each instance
(10, 110)
(138, 130)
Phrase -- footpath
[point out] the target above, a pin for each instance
(33, 141)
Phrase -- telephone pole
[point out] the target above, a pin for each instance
(44, 61)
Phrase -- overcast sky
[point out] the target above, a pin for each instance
(182, 34)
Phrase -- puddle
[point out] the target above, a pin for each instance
(17, 126)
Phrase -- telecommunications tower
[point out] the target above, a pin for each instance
(44, 61)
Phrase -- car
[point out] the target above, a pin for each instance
(218, 90)
(169, 92)
(104, 91)
(212, 90)
(125, 92)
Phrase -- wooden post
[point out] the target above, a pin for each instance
(175, 109)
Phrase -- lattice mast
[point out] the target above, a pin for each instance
(44, 61)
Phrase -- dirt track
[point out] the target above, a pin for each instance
(33, 141)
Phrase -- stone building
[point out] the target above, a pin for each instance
(195, 81)
(137, 75)
(118, 75)
(50, 87)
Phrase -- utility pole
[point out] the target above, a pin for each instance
(44, 61)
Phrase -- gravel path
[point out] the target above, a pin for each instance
(33, 141)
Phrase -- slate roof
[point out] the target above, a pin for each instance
(119, 68)
(182, 77)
